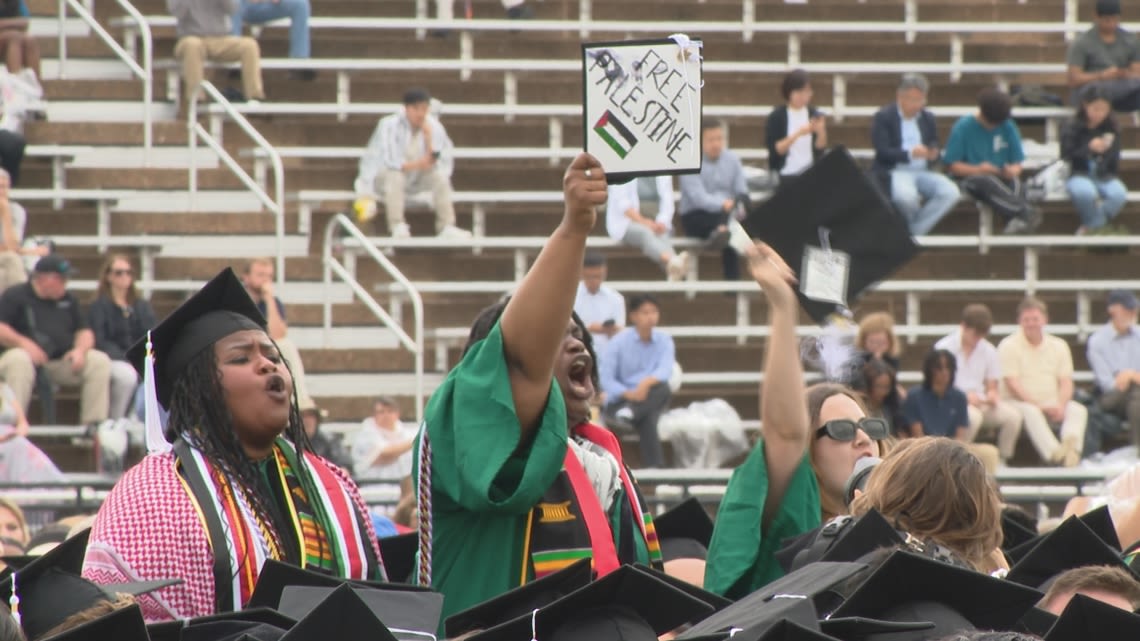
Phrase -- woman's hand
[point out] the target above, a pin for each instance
(772, 274)
(584, 189)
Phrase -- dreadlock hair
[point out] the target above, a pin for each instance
(199, 415)
(490, 315)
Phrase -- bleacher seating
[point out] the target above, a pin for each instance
(510, 102)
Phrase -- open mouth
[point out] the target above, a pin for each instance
(579, 377)
(275, 387)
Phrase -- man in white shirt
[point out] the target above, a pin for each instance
(601, 308)
(630, 222)
(978, 376)
(382, 447)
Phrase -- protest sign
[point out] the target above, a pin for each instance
(641, 106)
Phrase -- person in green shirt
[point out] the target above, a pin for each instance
(521, 484)
(795, 476)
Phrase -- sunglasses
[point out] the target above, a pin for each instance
(844, 429)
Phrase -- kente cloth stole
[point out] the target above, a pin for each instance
(570, 523)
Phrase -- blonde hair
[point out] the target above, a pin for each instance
(934, 488)
(10, 505)
(875, 323)
(99, 610)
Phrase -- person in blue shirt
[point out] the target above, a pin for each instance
(710, 197)
(984, 152)
(937, 408)
(1114, 356)
(635, 375)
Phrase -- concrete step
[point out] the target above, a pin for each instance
(103, 111)
(135, 157)
(176, 202)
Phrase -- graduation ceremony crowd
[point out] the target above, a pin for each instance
(863, 512)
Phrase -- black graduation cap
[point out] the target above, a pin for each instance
(219, 309)
(1071, 545)
(124, 624)
(343, 616)
(1014, 532)
(626, 604)
(399, 554)
(834, 194)
(402, 611)
(870, 532)
(173, 630)
(1086, 619)
(715, 600)
(1037, 622)
(684, 531)
(909, 587)
(275, 575)
(521, 600)
(1098, 520)
(232, 631)
(802, 596)
(783, 630)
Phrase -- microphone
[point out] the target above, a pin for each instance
(858, 478)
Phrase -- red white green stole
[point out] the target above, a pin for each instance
(570, 524)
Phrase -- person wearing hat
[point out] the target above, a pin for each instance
(520, 482)
(41, 326)
(327, 447)
(1114, 355)
(232, 480)
(1106, 58)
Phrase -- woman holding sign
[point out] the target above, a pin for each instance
(796, 133)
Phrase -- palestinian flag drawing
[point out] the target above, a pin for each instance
(616, 135)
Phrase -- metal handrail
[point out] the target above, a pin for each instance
(196, 131)
(143, 72)
(333, 265)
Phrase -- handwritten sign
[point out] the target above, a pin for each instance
(641, 106)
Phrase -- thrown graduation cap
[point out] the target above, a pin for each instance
(343, 616)
(836, 230)
(124, 624)
(1071, 545)
(399, 554)
(173, 630)
(803, 596)
(684, 531)
(275, 575)
(406, 614)
(219, 309)
(626, 605)
(521, 600)
(912, 588)
(1086, 619)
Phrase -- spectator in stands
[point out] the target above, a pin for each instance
(1037, 371)
(937, 408)
(984, 152)
(21, 51)
(879, 385)
(262, 11)
(13, 222)
(42, 327)
(382, 447)
(409, 153)
(1106, 58)
(204, 34)
(1091, 145)
(20, 460)
(258, 280)
(978, 375)
(1109, 584)
(119, 318)
(601, 307)
(710, 197)
(13, 524)
(1114, 356)
(796, 132)
(327, 447)
(635, 375)
(905, 137)
(875, 340)
(12, 144)
(629, 220)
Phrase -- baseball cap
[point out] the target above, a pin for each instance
(54, 264)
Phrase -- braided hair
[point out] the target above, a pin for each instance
(199, 415)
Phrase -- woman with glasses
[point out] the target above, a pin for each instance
(119, 318)
(811, 439)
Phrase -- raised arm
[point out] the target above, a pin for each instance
(783, 395)
(534, 322)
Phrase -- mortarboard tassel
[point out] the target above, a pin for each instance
(14, 601)
(155, 441)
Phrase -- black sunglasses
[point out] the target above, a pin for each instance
(844, 429)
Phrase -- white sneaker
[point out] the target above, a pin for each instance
(451, 231)
(678, 267)
(402, 231)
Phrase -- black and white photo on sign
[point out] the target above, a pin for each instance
(642, 105)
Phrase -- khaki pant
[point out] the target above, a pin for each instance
(94, 380)
(1002, 418)
(1072, 430)
(394, 187)
(293, 358)
(194, 51)
(12, 271)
